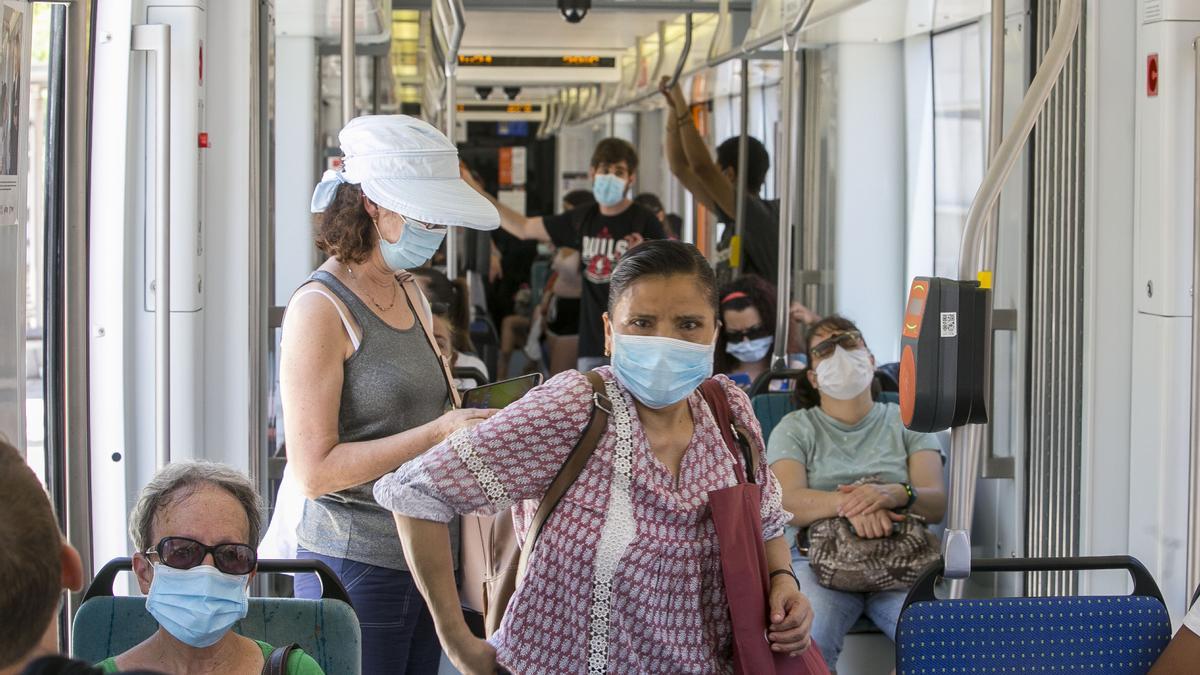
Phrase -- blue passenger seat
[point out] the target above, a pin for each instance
(326, 629)
(1120, 635)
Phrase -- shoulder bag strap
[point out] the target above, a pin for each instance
(277, 662)
(418, 308)
(566, 476)
(735, 437)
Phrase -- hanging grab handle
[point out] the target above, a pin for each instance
(683, 53)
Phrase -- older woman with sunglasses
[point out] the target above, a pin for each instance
(194, 528)
(851, 457)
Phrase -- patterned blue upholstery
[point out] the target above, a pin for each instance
(1090, 634)
(325, 629)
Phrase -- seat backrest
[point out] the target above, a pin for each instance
(1108, 634)
(326, 629)
(769, 408)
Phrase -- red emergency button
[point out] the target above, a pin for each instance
(1152, 75)
(203, 139)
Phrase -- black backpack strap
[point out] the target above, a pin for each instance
(277, 662)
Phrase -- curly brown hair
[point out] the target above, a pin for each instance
(345, 230)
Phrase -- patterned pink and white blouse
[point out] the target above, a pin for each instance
(626, 576)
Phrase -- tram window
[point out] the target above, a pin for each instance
(35, 241)
(959, 79)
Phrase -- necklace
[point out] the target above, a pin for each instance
(378, 306)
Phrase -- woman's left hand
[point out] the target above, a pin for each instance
(865, 498)
(791, 617)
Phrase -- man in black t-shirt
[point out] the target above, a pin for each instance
(714, 184)
(602, 232)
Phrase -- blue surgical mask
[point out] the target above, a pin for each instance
(416, 245)
(660, 371)
(608, 189)
(750, 351)
(197, 606)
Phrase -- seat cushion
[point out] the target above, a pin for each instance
(327, 630)
(1092, 634)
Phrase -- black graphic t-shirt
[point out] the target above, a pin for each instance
(600, 240)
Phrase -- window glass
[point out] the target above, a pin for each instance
(35, 243)
(960, 142)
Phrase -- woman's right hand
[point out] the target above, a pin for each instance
(472, 656)
(875, 525)
(463, 418)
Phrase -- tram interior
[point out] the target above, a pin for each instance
(1092, 440)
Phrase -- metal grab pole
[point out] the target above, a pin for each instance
(347, 61)
(787, 168)
(967, 442)
(75, 292)
(995, 122)
(453, 42)
(739, 216)
(1193, 564)
(1014, 142)
(157, 38)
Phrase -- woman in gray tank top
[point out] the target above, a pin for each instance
(364, 389)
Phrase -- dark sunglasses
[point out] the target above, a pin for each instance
(851, 339)
(184, 554)
(752, 333)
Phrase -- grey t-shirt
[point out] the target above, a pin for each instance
(837, 454)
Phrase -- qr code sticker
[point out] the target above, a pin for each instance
(949, 324)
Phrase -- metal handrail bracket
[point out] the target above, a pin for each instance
(1193, 562)
(347, 61)
(739, 216)
(787, 168)
(156, 38)
(453, 42)
(967, 442)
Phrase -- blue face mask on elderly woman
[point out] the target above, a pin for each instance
(660, 371)
(416, 245)
(197, 606)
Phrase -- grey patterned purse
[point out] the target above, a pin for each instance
(844, 561)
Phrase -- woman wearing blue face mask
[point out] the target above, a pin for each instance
(193, 528)
(363, 387)
(626, 576)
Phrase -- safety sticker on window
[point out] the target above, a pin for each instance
(949, 324)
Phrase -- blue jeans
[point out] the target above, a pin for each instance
(836, 612)
(398, 634)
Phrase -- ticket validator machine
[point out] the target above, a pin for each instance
(944, 355)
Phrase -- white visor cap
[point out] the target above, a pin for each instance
(407, 166)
